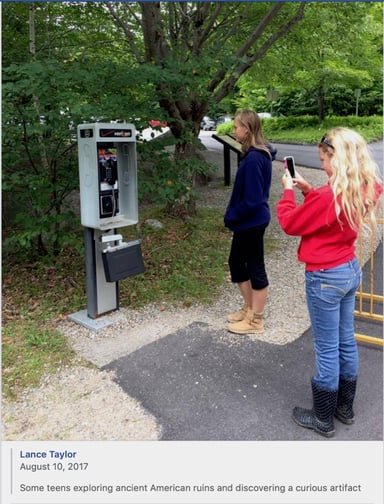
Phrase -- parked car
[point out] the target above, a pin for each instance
(264, 115)
(208, 124)
(224, 119)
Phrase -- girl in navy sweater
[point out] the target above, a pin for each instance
(248, 215)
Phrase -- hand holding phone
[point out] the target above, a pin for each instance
(301, 184)
(289, 164)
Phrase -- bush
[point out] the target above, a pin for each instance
(307, 129)
(168, 182)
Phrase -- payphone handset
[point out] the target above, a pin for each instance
(108, 180)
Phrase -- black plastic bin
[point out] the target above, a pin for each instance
(123, 261)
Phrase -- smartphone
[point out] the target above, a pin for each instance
(289, 164)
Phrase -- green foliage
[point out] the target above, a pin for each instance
(339, 99)
(165, 180)
(42, 104)
(307, 129)
(39, 158)
(334, 50)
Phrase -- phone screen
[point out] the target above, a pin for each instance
(289, 164)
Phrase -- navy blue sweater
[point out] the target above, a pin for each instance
(248, 206)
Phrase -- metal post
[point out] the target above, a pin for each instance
(90, 269)
(238, 159)
(229, 143)
(102, 296)
(357, 95)
(227, 165)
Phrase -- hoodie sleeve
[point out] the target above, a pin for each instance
(316, 212)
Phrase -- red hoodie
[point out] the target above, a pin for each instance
(326, 241)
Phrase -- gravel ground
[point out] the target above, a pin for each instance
(84, 403)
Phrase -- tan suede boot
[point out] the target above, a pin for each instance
(238, 316)
(252, 324)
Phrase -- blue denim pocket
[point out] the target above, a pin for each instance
(333, 284)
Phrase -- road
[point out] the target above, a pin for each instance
(305, 155)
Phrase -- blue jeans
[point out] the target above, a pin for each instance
(331, 303)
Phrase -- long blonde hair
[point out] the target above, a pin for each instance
(251, 120)
(354, 179)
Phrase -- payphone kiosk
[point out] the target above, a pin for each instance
(108, 201)
(108, 175)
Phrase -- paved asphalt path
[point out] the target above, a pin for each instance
(200, 387)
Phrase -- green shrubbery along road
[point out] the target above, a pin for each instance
(308, 130)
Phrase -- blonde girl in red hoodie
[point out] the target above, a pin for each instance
(328, 222)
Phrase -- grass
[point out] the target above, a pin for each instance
(307, 130)
(31, 349)
(35, 298)
(185, 261)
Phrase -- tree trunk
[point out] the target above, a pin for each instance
(321, 103)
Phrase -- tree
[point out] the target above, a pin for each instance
(342, 50)
(38, 154)
(194, 53)
(117, 60)
(46, 92)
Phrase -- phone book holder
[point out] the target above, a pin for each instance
(123, 261)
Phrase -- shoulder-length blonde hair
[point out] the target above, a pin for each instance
(354, 179)
(252, 122)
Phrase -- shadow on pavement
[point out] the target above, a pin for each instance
(202, 385)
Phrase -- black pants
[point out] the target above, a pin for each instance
(246, 258)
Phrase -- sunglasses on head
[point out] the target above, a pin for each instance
(325, 141)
